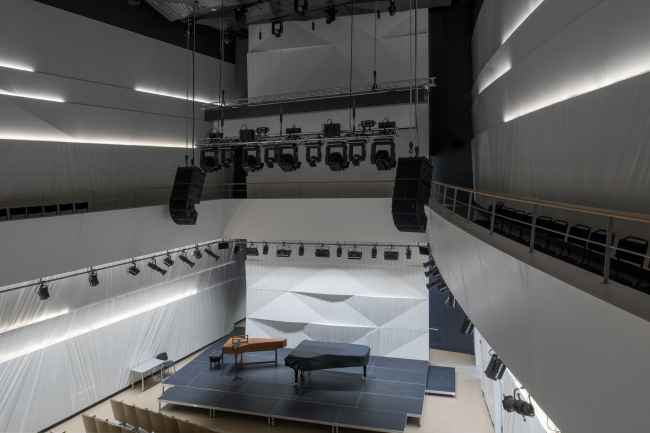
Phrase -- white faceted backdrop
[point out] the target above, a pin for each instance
(378, 303)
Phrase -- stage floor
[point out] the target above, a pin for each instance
(393, 391)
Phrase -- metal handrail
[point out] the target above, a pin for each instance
(610, 214)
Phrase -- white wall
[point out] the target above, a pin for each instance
(374, 302)
(576, 344)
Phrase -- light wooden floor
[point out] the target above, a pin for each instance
(465, 413)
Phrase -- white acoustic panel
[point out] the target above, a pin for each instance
(382, 304)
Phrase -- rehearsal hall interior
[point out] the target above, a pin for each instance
(324, 216)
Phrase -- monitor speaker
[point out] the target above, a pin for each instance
(411, 194)
(186, 192)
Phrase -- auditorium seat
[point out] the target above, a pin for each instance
(3, 214)
(634, 244)
(599, 236)
(559, 228)
(184, 426)
(114, 428)
(118, 411)
(488, 215)
(143, 418)
(127, 429)
(131, 415)
(171, 423)
(200, 429)
(157, 422)
(582, 232)
(102, 425)
(66, 207)
(81, 206)
(34, 211)
(17, 212)
(50, 208)
(89, 423)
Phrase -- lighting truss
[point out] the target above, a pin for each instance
(359, 89)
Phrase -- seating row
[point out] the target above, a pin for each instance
(579, 239)
(45, 210)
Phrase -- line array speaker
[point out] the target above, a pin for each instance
(411, 194)
(186, 192)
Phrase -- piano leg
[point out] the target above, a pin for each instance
(364, 373)
(295, 382)
(276, 356)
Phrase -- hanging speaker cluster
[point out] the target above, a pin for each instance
(186, 192)
(411, 194)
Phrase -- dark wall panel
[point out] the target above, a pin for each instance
(447, 322)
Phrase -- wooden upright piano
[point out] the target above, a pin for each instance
(253, 345)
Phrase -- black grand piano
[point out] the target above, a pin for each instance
(319, 355)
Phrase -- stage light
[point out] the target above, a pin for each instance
(373, 252)
(252, 161)
(391, 254)
(236, 249)
(93, 279)
(429, 263)
(208, 251)
(356, 157)
(424, 251)
(42, 291)
(384, 159)
(265, 249)
(392, 9)
(430, 285)
(339, 250)
(313, 158)
(468, 327)
(442, 287)
(513, 404)
(133, 269)
(496, 368)
(337, 161)
(197, 253)
(300, 8)
(152, 265)
(451, 301)
(240, 14)
(433, 271)
(355, 254)
(276, 27)
(322, 251)
(224, 245)
(183, 258)
(288, 162)
(408, 253)
(283, 251)
(301, 250)
(229, 37)
(252, 250)
(331, 15)
(168, 260)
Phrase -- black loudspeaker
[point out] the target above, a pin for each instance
(496, 368)
(411, 194)
(186, 192)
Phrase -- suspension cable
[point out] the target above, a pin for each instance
(193, 74)
(374, 74)
(222, 56)
(410, 68)
(417, 87)
(351, 57)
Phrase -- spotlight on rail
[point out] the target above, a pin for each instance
(229, 37)
(314, 154)
(382, 154)
(513, 404)
(153, 266)
(408, 253)
(430, 286)
(442, 288)
(339, 250)
(252, 160)
(236, 249)
(183, 258)
(168, 260)
(322, 251)
(468, 327)
(208, 251)
(42, 291)
(197, 253)
(300, 8)
(451, 301)
(496, 368)
(93, 279)
(392, 9)
(288, 162)
(433, 271)
(373, 252)
(354, 253)
(283, 251)
(336, 156)
(429, 263)
(133, 269)
(265, 249)
(331, 15)
(240, 14)
(391, 254)
(301, 250)
(252, 250)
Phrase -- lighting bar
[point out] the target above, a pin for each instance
(391, 254)
(152, 265)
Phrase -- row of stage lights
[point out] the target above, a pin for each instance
(438, 282)
(354, 252)
(42, 289)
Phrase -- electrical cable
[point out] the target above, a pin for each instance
(410, 69)
(374, 84)
(351, 57)
(193, 75)
(221, 63)
(417, 87)
(187, 86)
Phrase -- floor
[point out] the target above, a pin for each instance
(465, 413)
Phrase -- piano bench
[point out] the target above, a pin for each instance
(216, 357)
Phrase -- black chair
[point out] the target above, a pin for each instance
(636, 245)
(581, 231)
(65, 207)
(3, 213)
(599, 236)
(34, 210)
(509, 215)
(559, 228)
(486, 222)
(50, 208)
(167, 364)
(17, 211)
(81, 206)
(526, 223)
(542, 223)
(216, 357)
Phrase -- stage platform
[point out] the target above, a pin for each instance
(393, 391)
(441, 380)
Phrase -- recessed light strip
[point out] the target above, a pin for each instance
(15, 66)
(39, 97)
(41, 138)
(153, 92)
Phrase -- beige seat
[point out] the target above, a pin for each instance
(118, 411)
(131, 415)
(171, 423)
(89, 423)
(200, 429)
(102, 426)
(143, 418)
(157, 422)
(114, 428)
(185, 426)
(126, 429)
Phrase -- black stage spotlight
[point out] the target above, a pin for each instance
(209, 159)
(168, 260)
(339, 250)
(152, 265)
(252, 250)
(392, 9)
(322, 251)
(240, 14)
(355, 254)
(513, 404)
(313, 154)
(442, 288)
(276, 27)
(429, 263)
(391, 254)
(433, 271)
(496, 368)
(373, 252)
(265, 249)
(283, 251)
(93, 280)
(384, 158)
(301, 250)
(252, 161)
(337, 161)
(408, 253)
(288, 162)
(229, 37)
(208, 251)
(183, 258)
(357, 157)
(430, 285)
(424, 251)
(133, 269)
(300, 8)
(236, 249)
(197, 253)
(331, 15)
(271, 155)
(42, 291)
(468, 326)
(451, 301)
